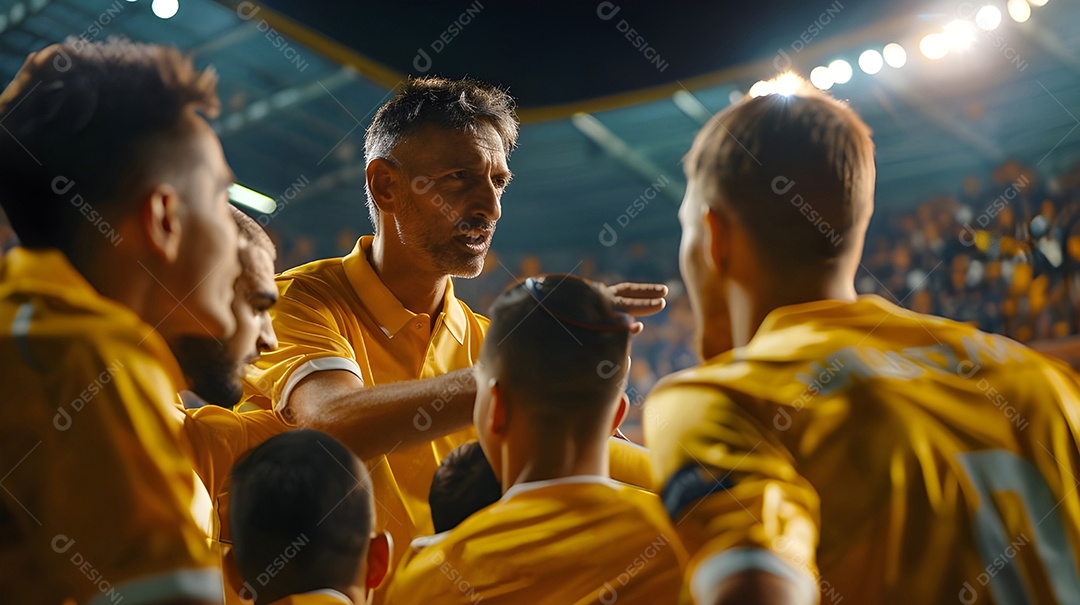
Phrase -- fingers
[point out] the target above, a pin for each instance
(637, 299)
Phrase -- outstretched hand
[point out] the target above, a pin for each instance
(639, 300)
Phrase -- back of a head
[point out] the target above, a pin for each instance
(464, 483)
(796, 170)
(557, 343)
(86, 125)
(463, 104)
(297, 494)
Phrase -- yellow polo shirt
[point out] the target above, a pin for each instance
(336, 314)
(876, 455)
(575, 540)
(97, 485)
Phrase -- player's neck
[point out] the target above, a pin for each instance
(116, 277)
(417, 290)
(749, 306)
(556, 459)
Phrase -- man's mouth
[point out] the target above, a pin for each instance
(475, 239)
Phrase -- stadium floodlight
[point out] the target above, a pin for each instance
(895, 55)
(251, 198)
(821, 77)
(871, 62)
(934, 46)
(841, 71)
(1019, 10)
(988, 18)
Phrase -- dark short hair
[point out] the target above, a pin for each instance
(797, 171)
(250, 232)
(98, 116)
(558, 342)
(461, 104)
(464, 483)
(296, 492)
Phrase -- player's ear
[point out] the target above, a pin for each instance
(718, 232)
(498, 414)
(161, 221)
(383, 182)
(620, 412)
(380, 553)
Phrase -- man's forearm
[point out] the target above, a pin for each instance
(378, 419)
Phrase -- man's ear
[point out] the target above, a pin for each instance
(383, 181)
(498, 414)
(718, 232)
(380, 553)
(161, 221)
(620, 412)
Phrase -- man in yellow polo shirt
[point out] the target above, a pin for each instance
(117, 189)
(847, 450)
(551, 377)
(375, 348)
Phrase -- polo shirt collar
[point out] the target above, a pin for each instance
(384, 307)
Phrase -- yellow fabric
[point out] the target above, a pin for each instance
(576, 540)
(97, 486)
(630, 463)
(218, 438)
(874, 444)
(339, 308)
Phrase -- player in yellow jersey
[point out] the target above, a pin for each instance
(117, 189)
(375, 348)
(303, 521)
(551, 377)
(838, 448)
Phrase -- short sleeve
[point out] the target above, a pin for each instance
(309, 340)
(218, 437)
(731, 487)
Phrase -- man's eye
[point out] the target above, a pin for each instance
(460, 174)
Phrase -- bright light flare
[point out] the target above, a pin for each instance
(841, 71)
(821, 77)
(871, 62)
(960, 34)
(988, 18)
(165, 9)
(1019, 10)
(895, 55)
(934, 46)
(251, 198)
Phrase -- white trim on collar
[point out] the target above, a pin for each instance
(519, 488)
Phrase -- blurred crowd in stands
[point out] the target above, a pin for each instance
(1001, 252)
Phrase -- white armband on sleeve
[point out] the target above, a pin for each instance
(310, 367)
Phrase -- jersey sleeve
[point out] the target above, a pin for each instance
(630, 463)
(309, 340)
(218, 437)
(118, 486)
(730, 487)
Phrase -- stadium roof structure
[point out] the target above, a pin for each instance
(611, 93)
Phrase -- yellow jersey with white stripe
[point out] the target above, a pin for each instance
(574, 540)
(97, 485)
(336, 314)
(876, 455)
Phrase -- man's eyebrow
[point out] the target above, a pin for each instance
(269, 297)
